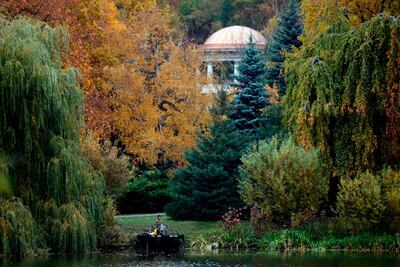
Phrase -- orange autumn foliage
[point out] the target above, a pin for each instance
(87, 21)
(159, 105)
(140, 79)
(131, 7)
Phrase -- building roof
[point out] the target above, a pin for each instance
(233, 37)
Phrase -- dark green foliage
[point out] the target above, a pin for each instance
(207, 187)
(41, 109)
(5, 179)
(148, 192)
(203, 17)
(342, 96)
(283, 182)
(283, 38)
(250, 96)
(200, 18)
(226, 13)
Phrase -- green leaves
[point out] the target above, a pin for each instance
(18, 230)
(283, 180)
(41, 107)
(340, 95)
(359, 203)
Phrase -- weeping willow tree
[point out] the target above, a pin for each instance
(41, 115)
(343, 96)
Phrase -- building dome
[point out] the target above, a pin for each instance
(234, 37)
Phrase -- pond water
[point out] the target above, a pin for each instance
(197, 259)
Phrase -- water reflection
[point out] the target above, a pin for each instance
(196, 259)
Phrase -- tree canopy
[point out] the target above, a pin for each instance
(342, 95)
(158, 104)
(41, 107)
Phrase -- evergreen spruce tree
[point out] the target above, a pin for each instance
(207, 187)
(283, 38)
(251, 97)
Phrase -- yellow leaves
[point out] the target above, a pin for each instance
(159, 105)
(138, 77)
(363, 10)
(318, 15)
(274, 92)
(132, 7)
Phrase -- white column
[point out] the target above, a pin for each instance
(209, 73)
(235, 69)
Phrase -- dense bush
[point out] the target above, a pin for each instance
(113, 236)
(391, 198)
(149, 192)
(284, 182)
(106, 159)
(370, 201)
(359, 204)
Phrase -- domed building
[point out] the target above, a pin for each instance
(226, 45)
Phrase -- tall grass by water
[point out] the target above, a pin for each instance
(314, 236)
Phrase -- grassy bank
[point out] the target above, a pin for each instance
(315, 237)
(301, 240)
(191, 229)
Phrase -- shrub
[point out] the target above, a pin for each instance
(391, 198)
(112, 236)
(359, 204)
(149, 192)
(283, 181)
(106, 159)
(237, 233)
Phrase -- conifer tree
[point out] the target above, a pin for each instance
(283, 38)
(207, 187)
(251, 96)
